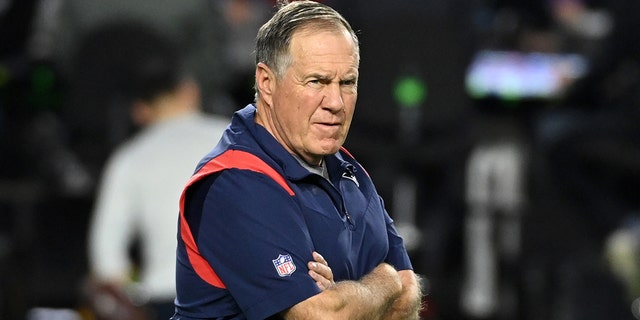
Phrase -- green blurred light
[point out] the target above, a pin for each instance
(510, 96)
(43, 79)
(410, 92)
(4, 76)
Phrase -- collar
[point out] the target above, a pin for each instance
(291, 168)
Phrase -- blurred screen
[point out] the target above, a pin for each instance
(513, 75)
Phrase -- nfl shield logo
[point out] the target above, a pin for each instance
(284, 265)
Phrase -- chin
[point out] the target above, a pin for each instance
(329, 151)
(327, 146)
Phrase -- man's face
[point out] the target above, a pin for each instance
(313, 103)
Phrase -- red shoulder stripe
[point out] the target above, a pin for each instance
(230, 159)
(347, 152)
(352, 157)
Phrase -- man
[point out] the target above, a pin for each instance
(279, 187)
(143, 178)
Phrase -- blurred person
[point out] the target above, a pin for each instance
(141, 182)
(279, 188)
(591, 144)
(584, 154)
(90, 113)
(592, 151)
(196, 26)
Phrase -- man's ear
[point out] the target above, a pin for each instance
(265, 82)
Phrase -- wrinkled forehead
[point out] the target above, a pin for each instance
(321, 26)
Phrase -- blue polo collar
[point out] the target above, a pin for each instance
(336, 164)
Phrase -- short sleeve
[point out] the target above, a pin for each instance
(254, 236)
(398, 255)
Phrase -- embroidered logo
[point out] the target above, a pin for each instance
(351, 177)
(284, 265)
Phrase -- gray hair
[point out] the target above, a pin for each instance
(274, 37)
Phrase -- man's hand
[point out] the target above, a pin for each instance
(320, 271)
(365, 299)
(407, 306)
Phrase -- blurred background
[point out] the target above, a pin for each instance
(504, 137)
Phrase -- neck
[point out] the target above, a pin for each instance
(264, 118)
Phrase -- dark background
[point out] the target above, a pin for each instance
(582, 154)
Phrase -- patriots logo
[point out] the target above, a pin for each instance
(284, 265)
(350, 176)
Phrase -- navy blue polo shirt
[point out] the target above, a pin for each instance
(251, 216)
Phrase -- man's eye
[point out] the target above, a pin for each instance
(348, 82)
(314, 82)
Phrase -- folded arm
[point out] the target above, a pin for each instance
(367, 298)
(406, 306)
(409, 304)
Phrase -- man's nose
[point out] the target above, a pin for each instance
(333, 98)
